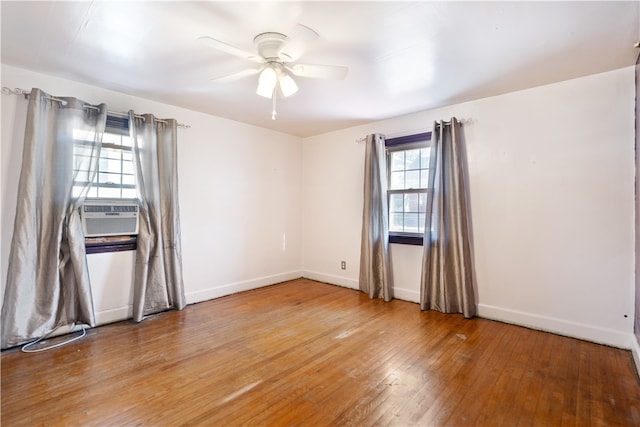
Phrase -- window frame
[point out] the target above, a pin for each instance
(402, 143)
(119, 127)
(95, 245)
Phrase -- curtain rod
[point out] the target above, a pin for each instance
(18, 91)
(413, 132)
(397, 135)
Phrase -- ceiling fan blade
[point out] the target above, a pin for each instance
(335, 72)
(298, 42)
(237, 76)
(227, 48)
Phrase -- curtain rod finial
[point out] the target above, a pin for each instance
(16, 91)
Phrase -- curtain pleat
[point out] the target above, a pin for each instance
(47, 280)
(376, 279)
(158, 282)
(447, 279)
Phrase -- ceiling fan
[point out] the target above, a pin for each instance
(276, 54)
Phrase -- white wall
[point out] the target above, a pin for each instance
(552, 197)
(240, 192)
(551, 179)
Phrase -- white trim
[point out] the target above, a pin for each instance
(398, 293)
(126, 312)
(557, 326)
(331, 279)
(406, 294)
(235, 287)
(114, 315)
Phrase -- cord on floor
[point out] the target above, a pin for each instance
(25, 348)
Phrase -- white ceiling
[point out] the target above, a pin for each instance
(402, 56)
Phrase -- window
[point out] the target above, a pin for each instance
(115, 177)
(407, 172)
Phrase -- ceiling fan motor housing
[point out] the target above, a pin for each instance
(269, 46)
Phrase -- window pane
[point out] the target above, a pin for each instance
(413, 159)
(126, 141)
(412, 179)
(109, 178)
(114, 169)
(82, 150)
(397, 160)
(110, 153)
(411, 202)
(424, 178)
(408, 170)
(396, 203)
(110, 192)
(81, 163)
(82, 176)
(411, 222)
(109, 165)
(397, 181)
(424, 157)
(128, 180)
(127, 167)
(422, 203)
(129, 193)
(395, 221)
(111, 138)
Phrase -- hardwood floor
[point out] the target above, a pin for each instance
(307, 353)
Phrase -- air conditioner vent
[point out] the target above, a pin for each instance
(109, 218)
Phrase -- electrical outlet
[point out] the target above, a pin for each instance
(343, 265)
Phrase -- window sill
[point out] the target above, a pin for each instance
(98, 245)
(406, 239)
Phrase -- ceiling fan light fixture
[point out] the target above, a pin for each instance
(267, 82)
(288, 86)
(275, 54)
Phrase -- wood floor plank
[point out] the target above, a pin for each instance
(311, 354)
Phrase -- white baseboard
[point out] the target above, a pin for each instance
(114, 315)
(399, 293)
(331, 279)
(557, 326)
(232, 288)
(124, 313)
(406, 294)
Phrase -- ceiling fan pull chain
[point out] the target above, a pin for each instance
(273, 111)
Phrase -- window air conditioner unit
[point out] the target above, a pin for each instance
(102, 218)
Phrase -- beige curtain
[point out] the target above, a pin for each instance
(158, 283)
(447, 280)
(47, 280)
(375, 269)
